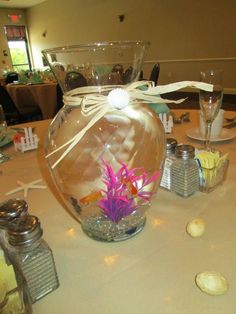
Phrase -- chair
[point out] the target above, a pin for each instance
(13, 114)
(127, 76)
(74, 79)
(155, 73)
(60, 103)
(11, 77)
(141, 76)
(153, 76)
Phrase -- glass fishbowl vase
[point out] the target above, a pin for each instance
(106, 164)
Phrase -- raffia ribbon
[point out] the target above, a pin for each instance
(93, 102)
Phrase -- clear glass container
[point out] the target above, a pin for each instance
(124, 147)
(210, 179)
(33, 256)
(185, 171)
(14, 295)
(171, 144)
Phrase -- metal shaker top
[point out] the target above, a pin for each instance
(12, 209)
(24, 231)
(171, 144)
(185, 151)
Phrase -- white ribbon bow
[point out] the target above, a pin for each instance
(97, 104)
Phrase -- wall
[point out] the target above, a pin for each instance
(5, 61)
(186, 36)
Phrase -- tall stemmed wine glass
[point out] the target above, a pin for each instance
(210, 102)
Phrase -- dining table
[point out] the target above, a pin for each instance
(43, 95)
(153, 272)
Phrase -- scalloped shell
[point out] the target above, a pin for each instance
(196, 227)
(212, 283)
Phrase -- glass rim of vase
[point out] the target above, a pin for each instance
(96, 45)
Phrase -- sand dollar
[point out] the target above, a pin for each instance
(212, 283)
(196, 227)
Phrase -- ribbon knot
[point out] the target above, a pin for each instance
(94, 101)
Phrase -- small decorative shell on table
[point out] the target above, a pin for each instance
(196, 227)
(212, 283)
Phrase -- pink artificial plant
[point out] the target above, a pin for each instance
(122, 189)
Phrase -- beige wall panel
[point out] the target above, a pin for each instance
(186, 36)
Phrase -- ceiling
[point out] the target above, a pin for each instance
(20, 4)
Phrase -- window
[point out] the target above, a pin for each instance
(18, 46)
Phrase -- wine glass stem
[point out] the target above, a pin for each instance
(207, 136)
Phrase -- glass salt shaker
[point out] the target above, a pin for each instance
(14, 294)
(34, 256)
(184, 171)
(171, 144)
(9, 211)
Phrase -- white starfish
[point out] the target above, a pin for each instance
(26, 187)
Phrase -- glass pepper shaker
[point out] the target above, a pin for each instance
(10, 210)
(33, 255)
(171, 144)
(184, 171)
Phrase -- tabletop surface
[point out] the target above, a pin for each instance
(153, 272)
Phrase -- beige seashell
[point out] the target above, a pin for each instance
(196, 227)
(212, 283)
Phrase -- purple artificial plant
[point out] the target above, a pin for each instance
(121, 190)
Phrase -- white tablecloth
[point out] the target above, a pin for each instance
(42, 95)
(153, 272)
